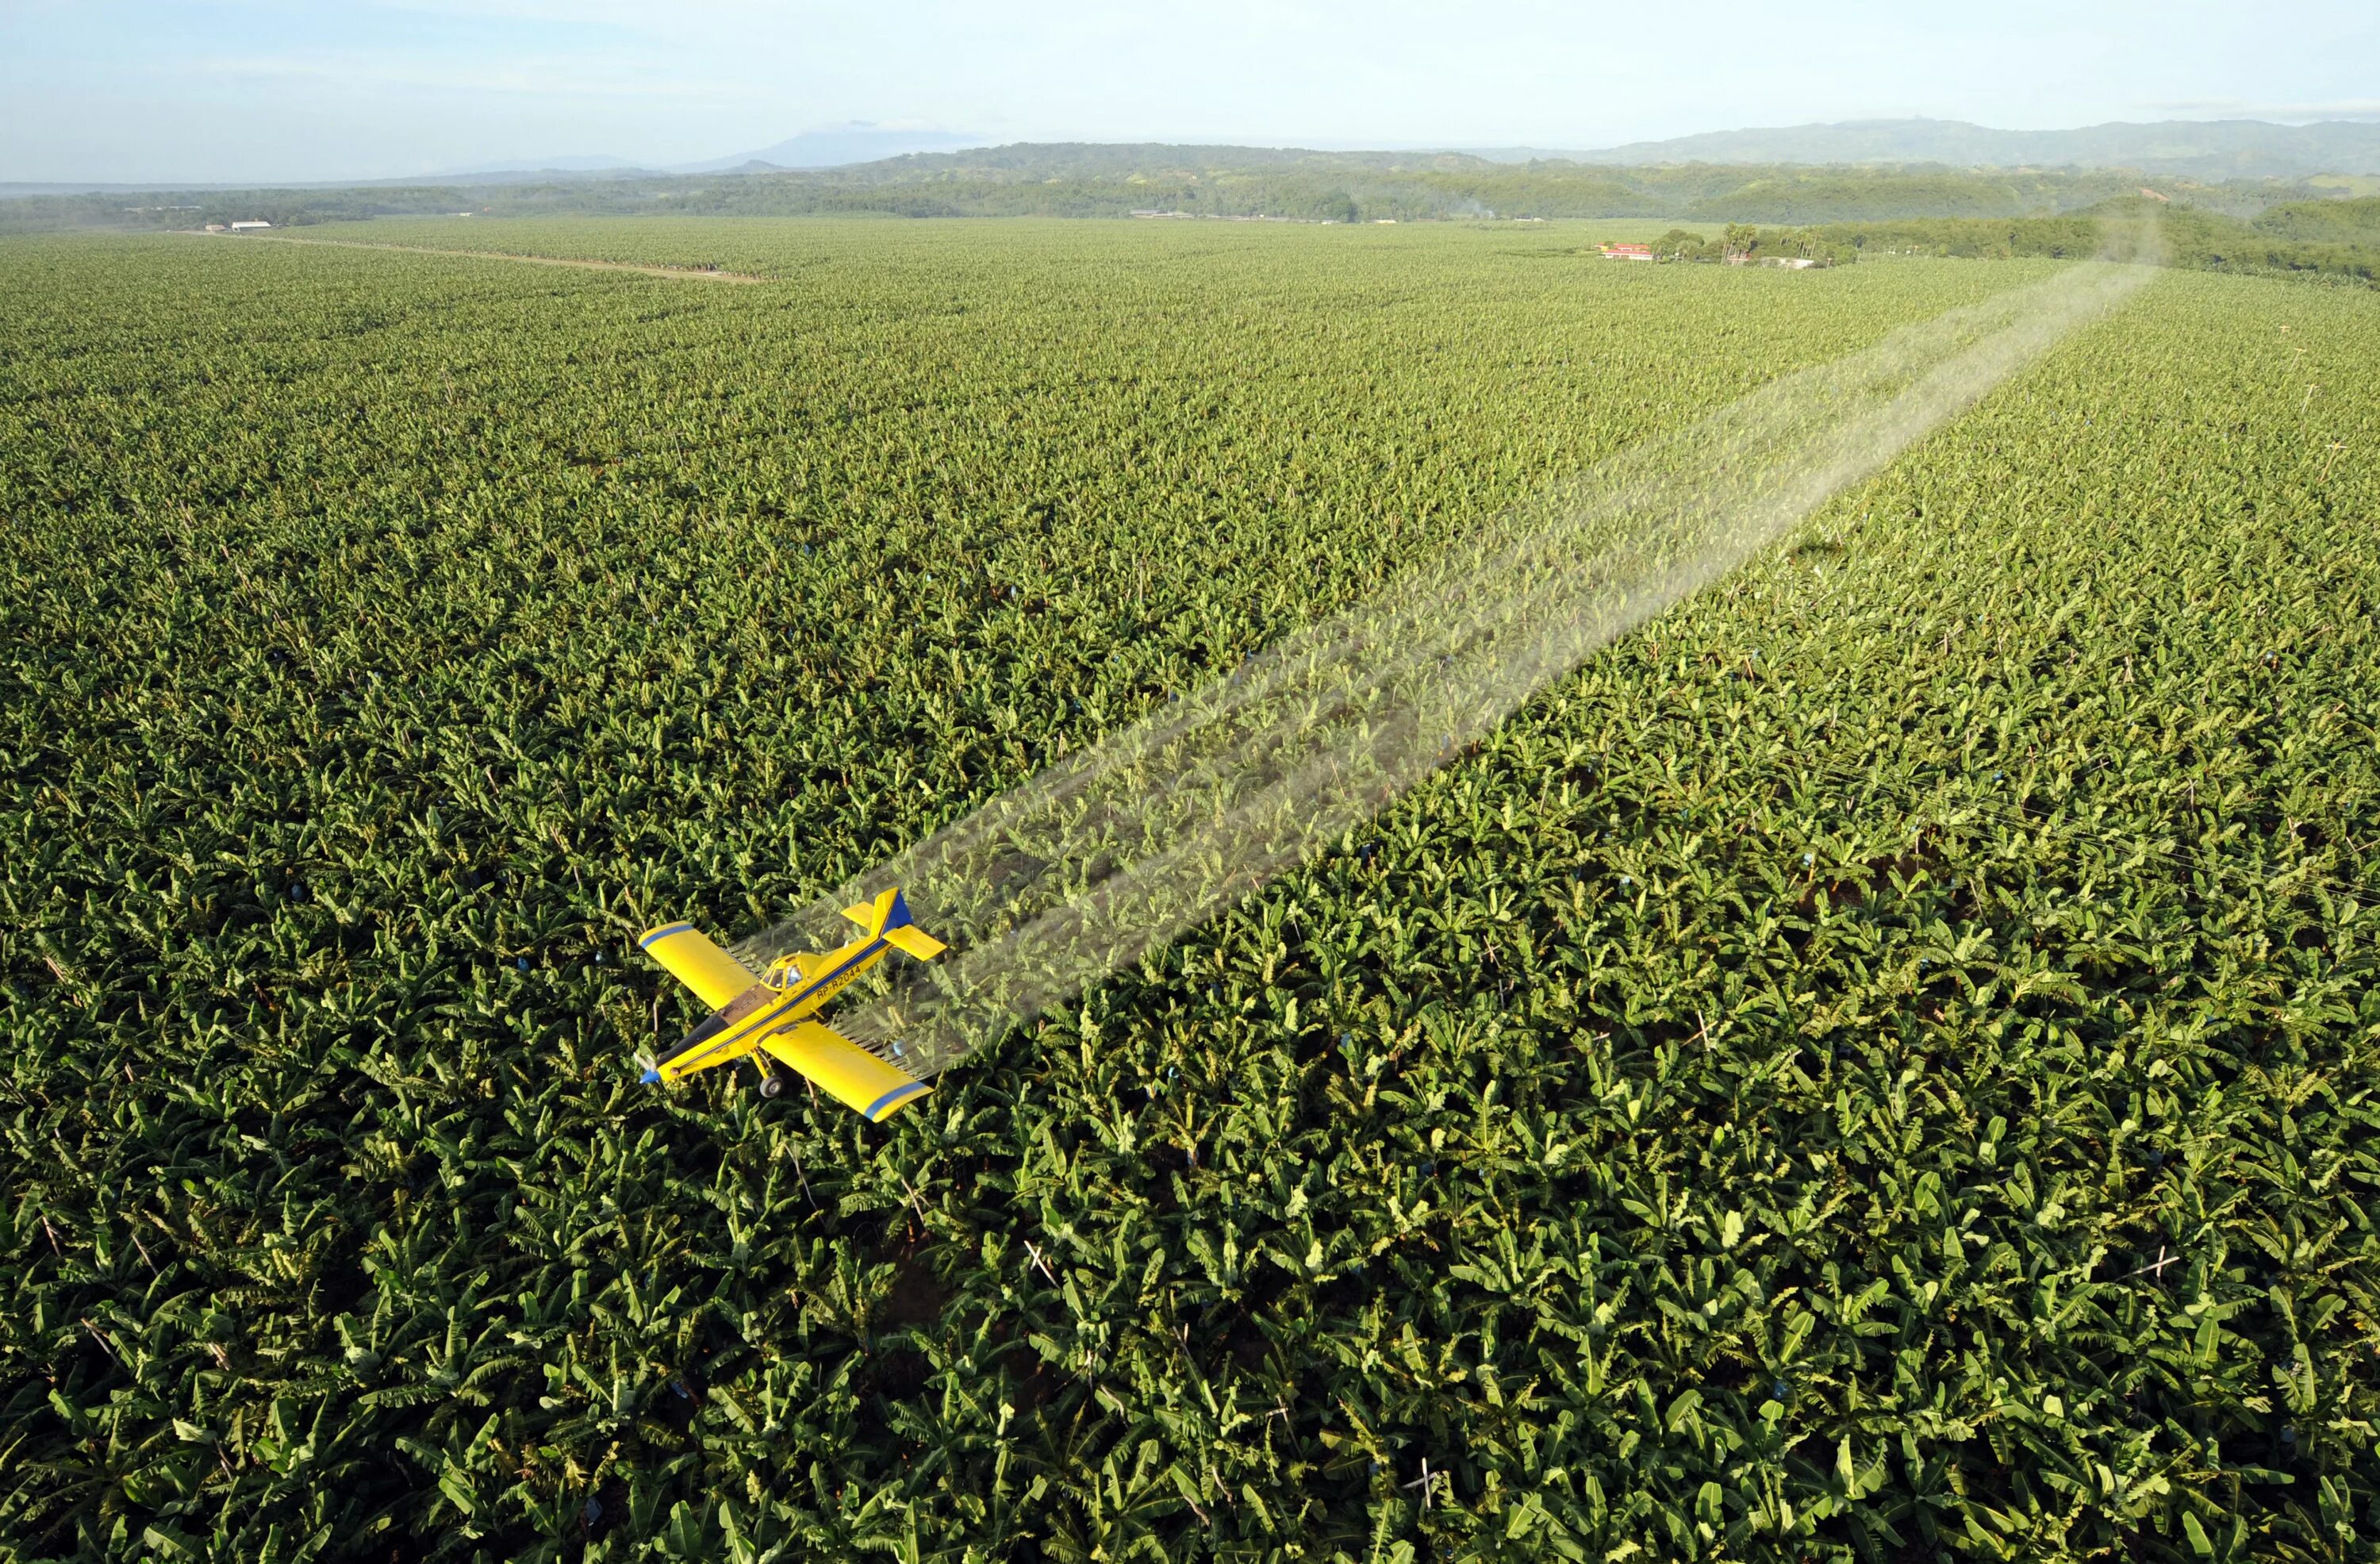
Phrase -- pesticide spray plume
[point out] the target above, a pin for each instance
(1125, 845)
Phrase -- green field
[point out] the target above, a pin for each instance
(1881, 1064)
(781, 248)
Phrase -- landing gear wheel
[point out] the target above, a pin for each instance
(772, 1084)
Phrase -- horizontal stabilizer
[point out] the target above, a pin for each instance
(715, 976)
(915, 941)
(846, 1072)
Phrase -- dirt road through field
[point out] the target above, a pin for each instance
(688, 272)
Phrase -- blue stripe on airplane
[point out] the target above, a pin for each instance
(823, 978)
(898, 1094)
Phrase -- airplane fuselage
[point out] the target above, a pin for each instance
(768, 1007)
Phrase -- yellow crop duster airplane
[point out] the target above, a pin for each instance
(771, 1010)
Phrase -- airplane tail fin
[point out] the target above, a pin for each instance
(888, 918)
(846, 1072)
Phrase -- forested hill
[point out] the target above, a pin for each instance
(1089, 180)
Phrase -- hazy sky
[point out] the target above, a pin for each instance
(132, 89)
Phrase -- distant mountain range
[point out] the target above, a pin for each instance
(2208, 149)
(812, 149)
(2214, 149)
(833, 149)
(2190, 148)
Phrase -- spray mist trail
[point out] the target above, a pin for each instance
(1124, 845)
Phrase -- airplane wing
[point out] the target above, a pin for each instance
(846, 1072)
(715, 976)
